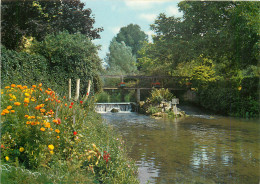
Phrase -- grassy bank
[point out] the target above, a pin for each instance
(47, 139)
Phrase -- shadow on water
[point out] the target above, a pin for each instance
(201, 148)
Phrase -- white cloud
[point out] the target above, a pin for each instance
(115, 30)
(173, 11)
(150, 17)
(143, 4)
(150, 33)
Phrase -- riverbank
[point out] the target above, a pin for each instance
(43, 133)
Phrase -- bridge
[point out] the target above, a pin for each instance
(141, 82)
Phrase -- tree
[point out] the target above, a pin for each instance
(120, 59)
(39, 18)
(132, 36)
(69, 56)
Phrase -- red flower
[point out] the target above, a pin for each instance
(106, 156)
(2, 146)
(75, 133)
(87, 94)
(70, 106)
(59, 121)
(81, 102)
(71, 103)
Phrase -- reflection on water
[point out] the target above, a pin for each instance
(195, 149)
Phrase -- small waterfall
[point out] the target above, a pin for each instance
(107, 107)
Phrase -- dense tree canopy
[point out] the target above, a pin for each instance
(226, 32)
(120, 59)
(39, 18)
(132, 36)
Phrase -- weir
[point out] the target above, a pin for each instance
(120, 106)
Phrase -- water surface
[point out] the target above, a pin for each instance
(197, 149)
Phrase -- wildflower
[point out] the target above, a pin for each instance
(57, 130)
(9, 107)
(70, 106)
(239, 88)
(51, 147)
(75, 133)
(25, 87)
(12, 85)
(21, 149)
(28, 122)
(7, 87)
(26, 100)
(40, 89)
(2, 146)
(38, 107)
(64, 97)
(42, 110)
(6, 158)
(34, 86)
(58, 137)
(55, 121)
(27, 94)
(71, 103)
(17, 103)
(87, 94)
(47, 125)
(5, 111)
(2, 113)
(42, 129)
(12, 111)
(40, 85)
(33, 99)
(66, 104)
(51, 152)
(81, 102)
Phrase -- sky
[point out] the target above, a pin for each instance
(114, 14)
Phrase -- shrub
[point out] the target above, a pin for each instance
(158, 95)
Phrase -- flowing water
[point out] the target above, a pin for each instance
(197, 149)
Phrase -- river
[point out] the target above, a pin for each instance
(197, 149)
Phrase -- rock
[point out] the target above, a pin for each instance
(114, 110)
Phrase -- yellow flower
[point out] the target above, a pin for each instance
(47, 125)
(21, 149)
(51, 147)
(17, 103)
(239, 88)
(33, 99)
(58, 137)
(41, 105)
(7, 87)
(27, 94)
(42, 129)
(2, 113)
(26, 100)
(13, 85)
(28, 122)
(26, 116)
(6, 158)
(57, 131)
(42, 110)
(51, 152)
(9, 107)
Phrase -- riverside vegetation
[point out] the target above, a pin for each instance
(44, 133)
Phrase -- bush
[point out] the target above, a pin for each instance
(43, 132)
(158, 95)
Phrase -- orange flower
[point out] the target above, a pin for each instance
(28, 122)
(7, 87)
(13, 85)
(66, 104)
(34, 86)
(9, 107)
(2, 113)
(12, 111)
(26, 100)
(57, 130)
(58, 137)
(37, 107)
(42, 110)
(26, 116)
(40, 85)
(42, 129)
(17, 103)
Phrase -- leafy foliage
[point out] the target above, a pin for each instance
(70, 56)
(132, 36)
(120, 59)
(158, 95)
(39, 18)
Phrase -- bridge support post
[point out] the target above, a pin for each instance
(138, 94)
